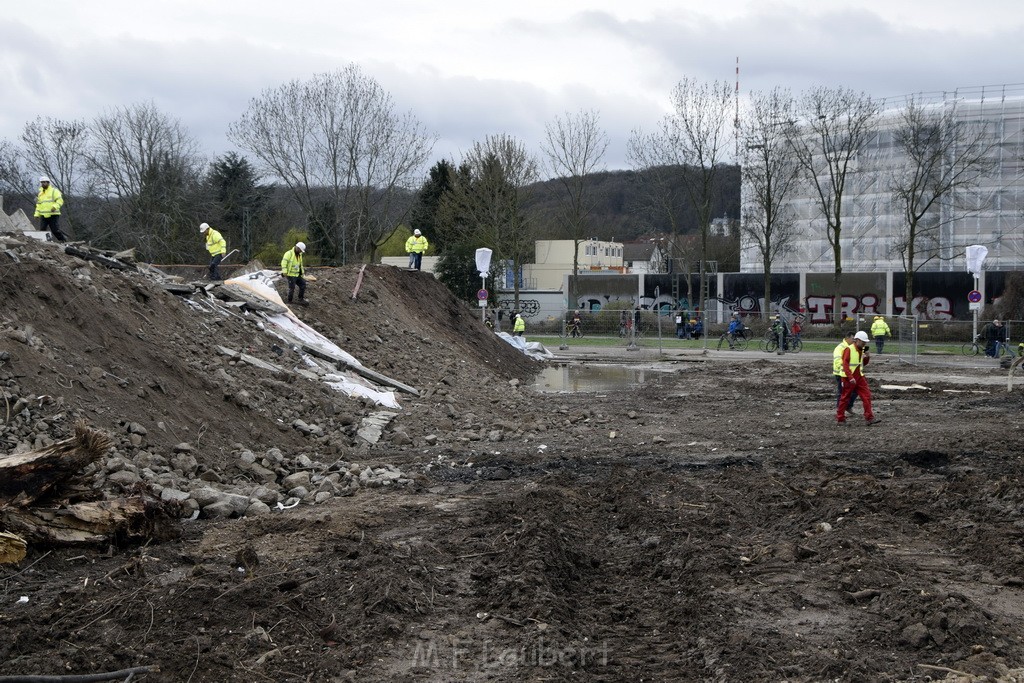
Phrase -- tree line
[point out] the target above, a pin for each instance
(332, 159)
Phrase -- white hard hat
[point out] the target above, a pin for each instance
(301, 246)
(861, 336)
(44, 179)
(416, 232)
(203, 227)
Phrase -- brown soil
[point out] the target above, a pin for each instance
(709, 525)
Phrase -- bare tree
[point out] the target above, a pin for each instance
(147, 166)
(770, 173)
(944, 156)
(58, 149)
(694, 136)
(342, 150)
(575, 145)
(663, 197)
(14, 180)
(488, 199)
(836, 123)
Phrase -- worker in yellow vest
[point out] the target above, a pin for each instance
(217, 246)
(852, 361)
(416, 245)
(293, 270)
(880, 330)
(519, 326)
(837, 369)
(48, 203)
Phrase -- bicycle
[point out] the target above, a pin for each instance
(770, 343)
(575, 330)
(737, 341)
(973, 348)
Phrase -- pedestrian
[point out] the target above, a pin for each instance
(217, 246)
(293, 270)
(780, 330)
(680, 327)
(48, 203)
(994, 335)
(853, 359)
(880, 330)
(416, 245)
(837, 370)
(519, 326)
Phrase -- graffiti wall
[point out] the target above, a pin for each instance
(937, 296)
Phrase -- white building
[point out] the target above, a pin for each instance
(873, 221)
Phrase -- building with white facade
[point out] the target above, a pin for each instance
(991, 214)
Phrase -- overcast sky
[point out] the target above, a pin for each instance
(470, 69)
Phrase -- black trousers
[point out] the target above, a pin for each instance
(215, 267)
(52, 223)
(419, 259)
(299, 282)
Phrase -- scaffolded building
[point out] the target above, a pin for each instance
(990, 213)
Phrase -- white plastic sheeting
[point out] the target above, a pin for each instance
(534, 350)
(287, 327)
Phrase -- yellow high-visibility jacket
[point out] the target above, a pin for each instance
(520, 325)
(215, 243)
(48, 202)
(880, 328)
(416, 245)
(291, 264)
(837, 359)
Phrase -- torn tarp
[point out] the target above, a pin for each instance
(293, 331)
(534, 350)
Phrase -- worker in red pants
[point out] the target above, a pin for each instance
(853, 359)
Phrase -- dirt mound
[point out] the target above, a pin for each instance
(115, 349)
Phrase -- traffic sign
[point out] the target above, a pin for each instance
(974, 296)
(974, 306)
(482, 295)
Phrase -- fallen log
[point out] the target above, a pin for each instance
(121, 521)
(26, 477)
(92, 255)
(12, 548)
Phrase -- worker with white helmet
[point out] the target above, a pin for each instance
(293, 270)
(416, 245)
(217, 246)
(852, 361)
(48, 203)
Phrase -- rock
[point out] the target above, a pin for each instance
(514, 382)
(135, 440)
(174, 495)
(264, 474)
(430, 439)
(257, 508)
(298, 492)
(915, 635)
(659, 439)
(322, 497)
(400, 438)
(265, 494)
(184, 463)
(206, 496)
(302, 427)
(219, 510)
(247, 457)
(495, 435)
(136, 428)
(274, 455)
(183, 448)
(303, 461)
(294, 480)
(124, 478)
(211, 476)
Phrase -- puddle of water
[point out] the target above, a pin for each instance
(583, 378)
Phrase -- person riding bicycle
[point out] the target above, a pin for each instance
(735, 328)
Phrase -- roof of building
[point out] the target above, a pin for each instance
(638, 251)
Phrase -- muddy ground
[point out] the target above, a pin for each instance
(711, 524)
